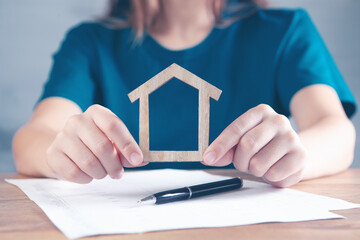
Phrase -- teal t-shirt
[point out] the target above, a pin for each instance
(264, 58)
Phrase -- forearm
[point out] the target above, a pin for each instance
(29, 147)
(330, 145)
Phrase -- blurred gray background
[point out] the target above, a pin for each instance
(30, 32)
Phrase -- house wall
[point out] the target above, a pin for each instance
(30, 31)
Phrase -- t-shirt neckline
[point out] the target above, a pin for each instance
(155, 48)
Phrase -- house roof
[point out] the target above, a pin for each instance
(166, 75)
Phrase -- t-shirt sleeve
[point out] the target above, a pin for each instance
(71, 73)
(305, 60)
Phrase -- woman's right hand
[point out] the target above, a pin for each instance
(92, 145)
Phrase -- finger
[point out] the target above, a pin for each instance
(252, 142)
(288, 165)
(232, 134)
(289, 181)
(76, 150)
(126, 163)
(66, 169)
(224, 161)
(118, 133)
(102, 148)
(272, 152)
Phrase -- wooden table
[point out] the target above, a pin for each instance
(20, 218)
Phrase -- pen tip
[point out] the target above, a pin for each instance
(149, 199)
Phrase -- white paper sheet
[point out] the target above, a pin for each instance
(110, 206)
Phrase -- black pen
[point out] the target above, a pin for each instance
(185, 193)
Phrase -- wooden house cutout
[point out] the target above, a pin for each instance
(206, 91)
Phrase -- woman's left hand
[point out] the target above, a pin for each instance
(263, 143)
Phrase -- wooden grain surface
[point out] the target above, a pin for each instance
(20, 218)
(206, 91)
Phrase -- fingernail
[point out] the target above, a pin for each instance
(135, 158)
(210, 157)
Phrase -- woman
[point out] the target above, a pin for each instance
(270, 64)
